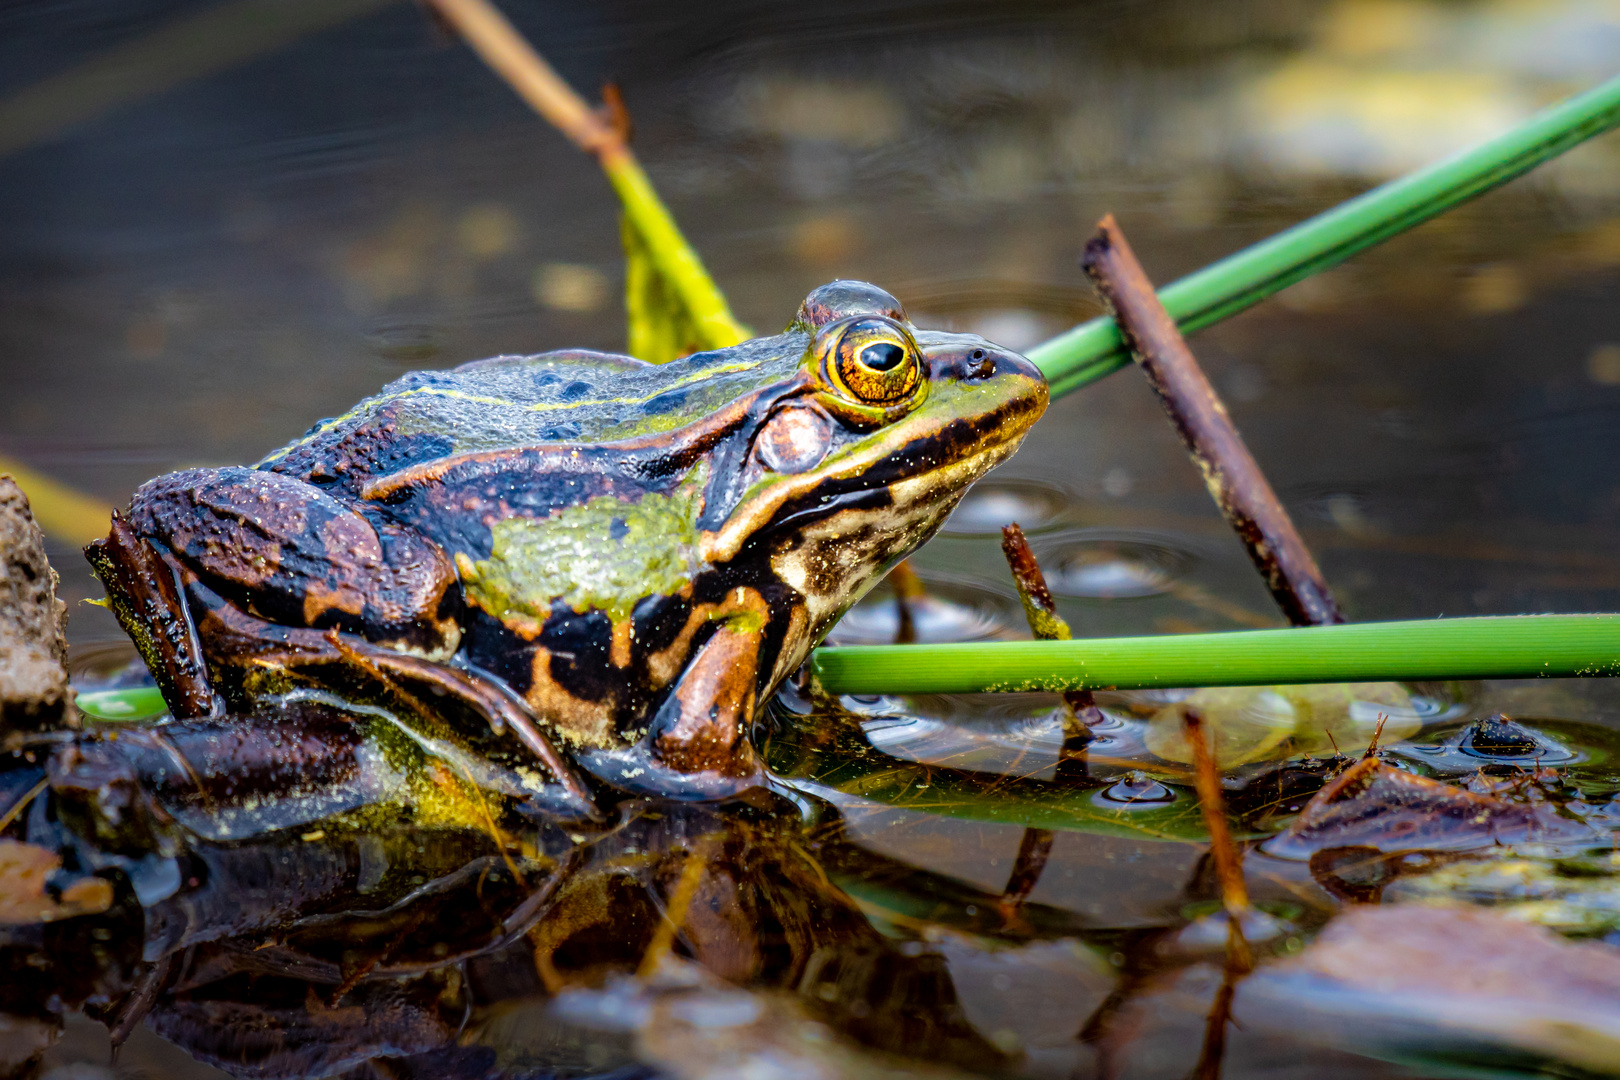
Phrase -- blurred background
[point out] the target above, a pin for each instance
(221, 221)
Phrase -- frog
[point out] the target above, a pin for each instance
(612, 564)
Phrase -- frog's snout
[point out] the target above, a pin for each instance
(984, 362)
(1009, 377)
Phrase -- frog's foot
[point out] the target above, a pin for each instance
(143, 594)
(235, 637)
(698, 742)
(502, 712)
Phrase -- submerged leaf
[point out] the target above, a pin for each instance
(1259, 723)
(1579, 896)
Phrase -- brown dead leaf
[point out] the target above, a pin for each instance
(1377, 806)
(24, 871)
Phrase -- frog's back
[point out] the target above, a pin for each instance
(573, 397)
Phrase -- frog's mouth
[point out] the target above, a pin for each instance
(929, 459)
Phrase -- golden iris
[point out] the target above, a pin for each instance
(875, 362)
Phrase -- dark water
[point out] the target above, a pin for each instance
(198, 271)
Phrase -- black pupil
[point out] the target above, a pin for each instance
(882, 356)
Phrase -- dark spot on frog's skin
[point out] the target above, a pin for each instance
(491, 647)
(545, 379)
(664, 403)
(579, 645)
(617, 529)
(658, 620)
(403, 451)
(574, 391)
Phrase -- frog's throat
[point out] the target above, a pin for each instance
(989, 439)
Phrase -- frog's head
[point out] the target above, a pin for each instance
(856, 459)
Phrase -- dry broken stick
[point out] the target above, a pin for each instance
(1229, 470)
(1046, 624)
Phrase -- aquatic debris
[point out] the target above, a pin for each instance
(1377, 806)
(1576, 895)
(1040, 610)
(25, 872)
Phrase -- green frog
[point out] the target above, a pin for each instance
(613, 562)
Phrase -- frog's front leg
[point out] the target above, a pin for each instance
(144, 595)
(702, 725)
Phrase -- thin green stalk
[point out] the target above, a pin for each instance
(676, 260)
(1093, 349)
(1496, 647)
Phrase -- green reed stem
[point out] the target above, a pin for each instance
(1093, 349)
(1497, 647)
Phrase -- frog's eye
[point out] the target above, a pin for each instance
(874, 362)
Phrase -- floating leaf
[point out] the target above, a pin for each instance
(1280, 722)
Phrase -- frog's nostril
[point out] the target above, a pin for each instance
(977, 354)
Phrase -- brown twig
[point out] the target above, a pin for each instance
(908, 589)
(1228, 864)
(1033, 851)
(1229, 470)
(500, 46)
(1047, 625)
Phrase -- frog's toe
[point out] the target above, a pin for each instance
(141, 591)
(639, 770)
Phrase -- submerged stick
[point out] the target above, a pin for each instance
(1095, 348)
(1046, 624)
(1230, 471)
(908, 590)
(1211, 803)
(1234, 895)
(675, 909)
(1034, 849)
(1480, 647)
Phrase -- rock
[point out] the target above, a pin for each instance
(34, 692)
(1458, 991)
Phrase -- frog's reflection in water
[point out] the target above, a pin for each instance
(366, 944)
